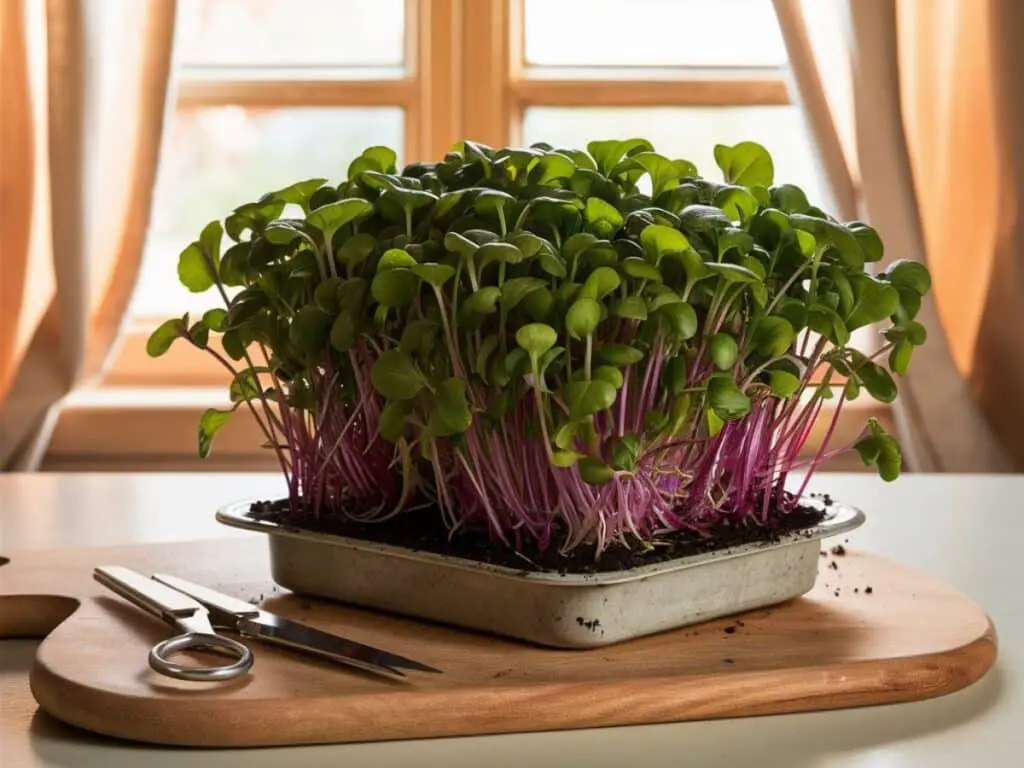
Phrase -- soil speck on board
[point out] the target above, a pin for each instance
(730, 630)
(839, 550)
(503, 672)
(728, 661)
(836, 593)
(834, 565)
(868, 590)
(856, 590)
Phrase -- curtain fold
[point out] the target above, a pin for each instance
(88, 90)
(914, 69)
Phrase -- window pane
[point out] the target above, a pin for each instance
(650, 33)
(691, 133)
(290, 34)
(218, 158)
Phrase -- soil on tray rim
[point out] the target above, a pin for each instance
(422, 530)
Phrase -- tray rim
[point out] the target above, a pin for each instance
(841, 518)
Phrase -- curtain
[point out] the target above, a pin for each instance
(917, 119)
(87, 89)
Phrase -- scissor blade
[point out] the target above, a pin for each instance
(275, 629)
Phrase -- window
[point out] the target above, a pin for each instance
(271, 91)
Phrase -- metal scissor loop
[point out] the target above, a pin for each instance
(183, 613)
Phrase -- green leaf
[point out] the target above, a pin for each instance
(602, 218)
(343, 332)
(733, 273)
(630, 308)
(500, 252)
(451, 415)
(726, 398)
(870, 242)
(624, 451)
(594, 472)
(877, 382)
(565, 458)
(392, 424)
(585, 398)
(214, 318)
(675, 375)
(193, 270)
(607, 154)
(333, 216)
(868, 448)
(166, 333)
(582, 318)
(310, 329)
(873, 300)
(530, 244)
(394, 258)
(395, 376)
(209, 424)
(772, 336)
(910, 275)
(297, 193)
(736, 202)
(682, 319)
(492, 201)
(825, 321)
(418, 336)
(199, 334)
(600, 283)
(554, 167)
(723, 351)
(245, 386)
(518, 288)
(715, 423)
(880, 449)
(234, 264)
(746, 163)
(537, 304)
(434, 274)
(789, 199)
(641, 269)
(552, 264)
(536, 338)
(783, 383)
(899, 356)
(658, 240)
(610, 374)
(664, 173)
(703, 218)
(833, 235)
(619, 355)
(394, 287)
(565, 435)
(484, 300)
(355, 250)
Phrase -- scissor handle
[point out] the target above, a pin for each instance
(159, 657)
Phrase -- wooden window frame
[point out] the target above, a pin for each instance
(464, 76)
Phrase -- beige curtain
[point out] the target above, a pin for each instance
(86, 88)
(918, 114)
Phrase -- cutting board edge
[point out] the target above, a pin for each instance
(859, 684)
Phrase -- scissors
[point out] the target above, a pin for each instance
(197, 612)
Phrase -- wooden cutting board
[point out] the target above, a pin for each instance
(871, 632)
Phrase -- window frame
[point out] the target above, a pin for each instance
(464, 76)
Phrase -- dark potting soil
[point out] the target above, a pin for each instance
(423, 530)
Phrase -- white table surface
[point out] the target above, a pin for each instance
(963, 529)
